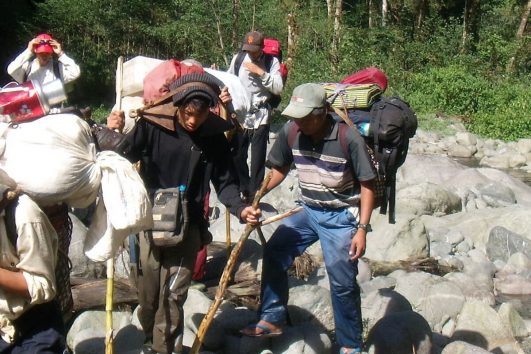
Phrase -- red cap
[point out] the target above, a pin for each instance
(44, 45)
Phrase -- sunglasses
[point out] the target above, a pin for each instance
(44, 41)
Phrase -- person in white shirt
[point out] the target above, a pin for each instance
(261, 81)
(43, 61)
(30, 318)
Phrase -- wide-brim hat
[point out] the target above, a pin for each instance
(304, 100)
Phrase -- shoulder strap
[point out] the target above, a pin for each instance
(293, 132)
(238, 62)
(28, 69)
(268, 62)
(56, 72)
(342, 135)
(195, 155)
(10, 222)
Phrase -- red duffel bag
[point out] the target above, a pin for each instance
(367, 76)
(158, 80)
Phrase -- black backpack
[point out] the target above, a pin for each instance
(274, 100)
(391, 123)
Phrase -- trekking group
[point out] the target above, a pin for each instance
(188, 136)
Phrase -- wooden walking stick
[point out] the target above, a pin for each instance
(228, 239)
(110, 262)
(224, 113)
(225, 277)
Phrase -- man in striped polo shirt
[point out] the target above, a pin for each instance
(335, 178)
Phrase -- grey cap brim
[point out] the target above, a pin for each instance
(296, 111)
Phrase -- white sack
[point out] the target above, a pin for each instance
(241, 99)
(123, 208)
(134, 71)
(52, 159)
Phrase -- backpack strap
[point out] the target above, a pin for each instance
(268, 62)
(10, 222)
(238, 62)
(342, 135)
(55, 64)
(56, 72)
(28, 70)
(241, 55)
(293, 133)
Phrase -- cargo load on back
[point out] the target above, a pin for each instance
(386, 124)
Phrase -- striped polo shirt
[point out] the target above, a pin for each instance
(327, 178)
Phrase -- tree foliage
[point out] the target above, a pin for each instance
(420, 47)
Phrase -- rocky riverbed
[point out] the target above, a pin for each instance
(473, 221)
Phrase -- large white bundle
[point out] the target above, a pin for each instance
(134, 71)
(52, 159)
(241, 99)
(124, 209)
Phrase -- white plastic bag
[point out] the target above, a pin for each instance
(241, 99)
(122, 209)
(52, 159)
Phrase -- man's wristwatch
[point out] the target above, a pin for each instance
(366, 227)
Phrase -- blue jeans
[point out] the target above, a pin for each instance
(334, 228)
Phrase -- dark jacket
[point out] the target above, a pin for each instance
(165, 162)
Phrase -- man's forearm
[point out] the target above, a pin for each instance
(366, 201)
(14, 282)
(279, 174)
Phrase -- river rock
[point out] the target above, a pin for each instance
(497, 161)
(513, 320)
(472, 288)
(380, 282)
(380, 303)
(513, 284)
(464, 151)
(391, 242)
(427, 199)
(400, 333)
(524, 146)
(460, 347)
(479, 324)
(312, 304)
(502, 243)
(465, 138)
(518, 263)
(87, 333)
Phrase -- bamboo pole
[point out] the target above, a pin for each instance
(110, 263)
(225, 277)
(278, 217)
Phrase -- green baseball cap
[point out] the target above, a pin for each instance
(304, 99)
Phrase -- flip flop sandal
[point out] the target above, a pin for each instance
(265, 331)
